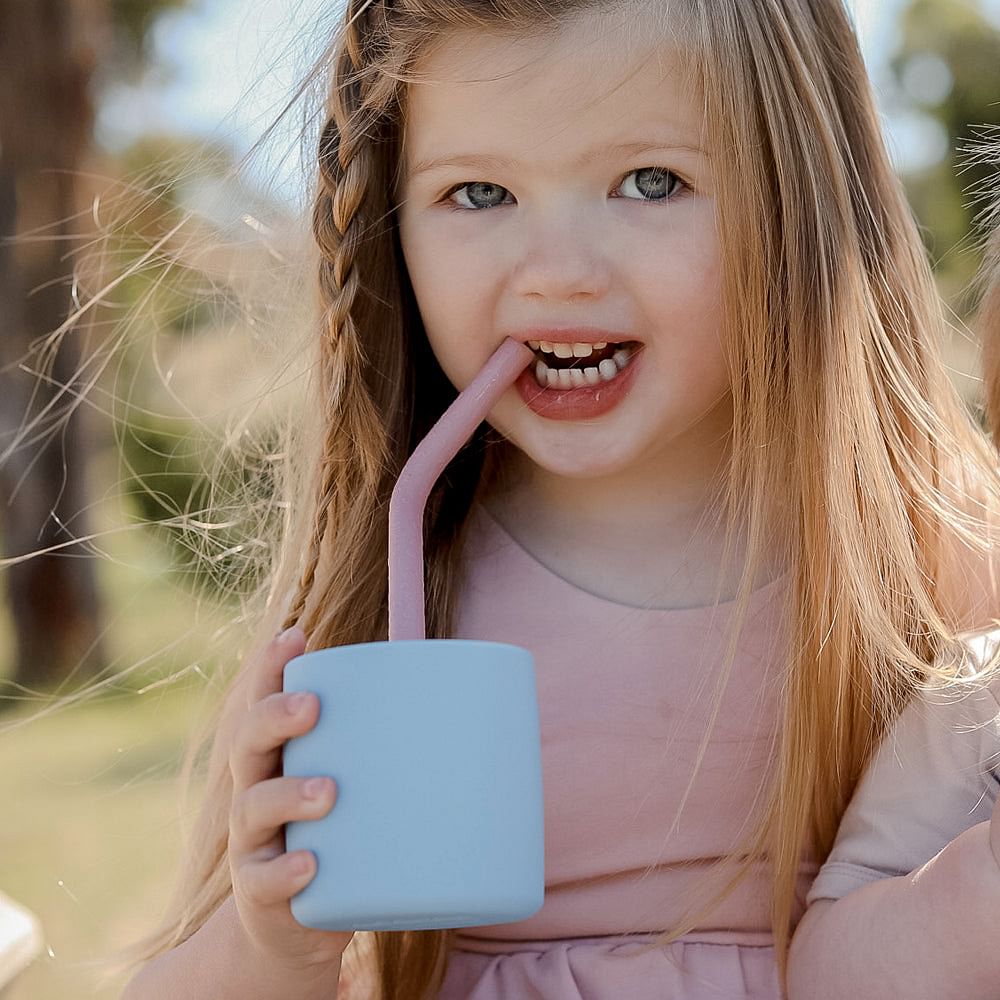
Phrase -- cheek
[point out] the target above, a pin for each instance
(419, 254)
(686, 307)
(442, 272)
(685, 284)
(439, 265)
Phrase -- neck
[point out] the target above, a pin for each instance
(659, 525)
(629, 508)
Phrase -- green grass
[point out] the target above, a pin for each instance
(90, 803)
(91, 830)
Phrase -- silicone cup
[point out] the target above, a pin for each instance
(435, 744)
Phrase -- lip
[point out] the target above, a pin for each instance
(573, 335)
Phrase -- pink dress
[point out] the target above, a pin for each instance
(625, 695)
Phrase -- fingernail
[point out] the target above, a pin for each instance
(296, 702)
(314, 788)
(301, 863)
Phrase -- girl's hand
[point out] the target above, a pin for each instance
(264, 876)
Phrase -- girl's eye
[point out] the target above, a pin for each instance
(651, 183)
(479, 195)
(648, 183)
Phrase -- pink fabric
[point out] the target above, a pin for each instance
(606, 968)
(625, 697)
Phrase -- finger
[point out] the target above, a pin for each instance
(273, 881)
(267, 667)
(255, 753)
(258, 815)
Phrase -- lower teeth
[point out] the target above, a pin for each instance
(575, 378)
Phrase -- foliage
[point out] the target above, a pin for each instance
(209, 516)
(134, 20)
(948, 66)
(198, 490)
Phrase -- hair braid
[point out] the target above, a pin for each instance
(346, 164)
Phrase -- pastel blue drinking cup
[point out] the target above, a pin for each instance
(435, 747)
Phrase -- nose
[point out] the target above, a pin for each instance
(562, 259)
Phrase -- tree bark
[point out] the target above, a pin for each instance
(47, 54)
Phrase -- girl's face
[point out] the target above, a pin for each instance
(559, 183)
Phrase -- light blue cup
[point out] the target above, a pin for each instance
(435, 747)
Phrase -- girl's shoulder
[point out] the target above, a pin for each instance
(934, 775)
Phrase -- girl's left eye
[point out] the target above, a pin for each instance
(649, 183)
(652, 183)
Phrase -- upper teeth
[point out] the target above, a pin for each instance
(567, 350)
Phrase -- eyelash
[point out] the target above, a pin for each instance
(678, 188)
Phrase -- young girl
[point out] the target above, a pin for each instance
(735, 508)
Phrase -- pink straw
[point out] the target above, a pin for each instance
(420, 473)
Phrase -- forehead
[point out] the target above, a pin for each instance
(552, 92)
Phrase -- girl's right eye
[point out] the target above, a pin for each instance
(478, 195)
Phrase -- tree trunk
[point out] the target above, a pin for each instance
(46, 51)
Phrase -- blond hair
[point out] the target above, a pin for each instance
(844, 417)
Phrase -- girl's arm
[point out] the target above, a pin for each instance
(908, 902)
(930, 935)
(218, 963)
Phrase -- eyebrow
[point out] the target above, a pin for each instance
(488, 163)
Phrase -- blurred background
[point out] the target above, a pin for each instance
(118, 119)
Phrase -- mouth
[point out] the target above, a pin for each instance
(562, 365)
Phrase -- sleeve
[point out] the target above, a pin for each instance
(934, 776)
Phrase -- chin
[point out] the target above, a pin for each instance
(574, 449)
(575, 463)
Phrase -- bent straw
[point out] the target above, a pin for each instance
(422, 468)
